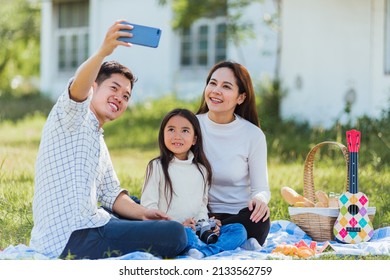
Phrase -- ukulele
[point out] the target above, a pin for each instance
(353, 224)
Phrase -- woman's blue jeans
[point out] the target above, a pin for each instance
(118, 237)
(231, 237)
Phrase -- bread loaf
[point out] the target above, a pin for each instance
(322, 198)
(294, 198)
(321, 204)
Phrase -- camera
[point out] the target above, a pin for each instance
(204, 229)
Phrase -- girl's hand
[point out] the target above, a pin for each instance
(218, 224)
(260, 210)
(190, 222)
(217, 230)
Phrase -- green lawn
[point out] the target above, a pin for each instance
(132, 144)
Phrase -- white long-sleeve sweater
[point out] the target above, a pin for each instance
(237, 152)
(189, 199)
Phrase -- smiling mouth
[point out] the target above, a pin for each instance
(177, 144)
(114, 107)
(215, 100)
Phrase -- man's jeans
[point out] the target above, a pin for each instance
(165, 239)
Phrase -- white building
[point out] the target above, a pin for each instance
(72, 30)
(330, 49)
(333, 50)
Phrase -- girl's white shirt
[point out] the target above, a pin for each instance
(189, 197)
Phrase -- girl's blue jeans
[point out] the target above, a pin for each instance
(231, 237)
(165, 239)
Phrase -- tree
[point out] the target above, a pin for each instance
(186, 12)
(19, 41)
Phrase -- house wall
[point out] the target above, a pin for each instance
(150, 65)
(47, 81)
(158, 70)
(332, 50)
(380, 81)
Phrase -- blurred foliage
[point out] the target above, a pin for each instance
(142, 122)
(16, 107)
(186, 12)
(19, 40)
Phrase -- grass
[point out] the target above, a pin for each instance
(132, 143)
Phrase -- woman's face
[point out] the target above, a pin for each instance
(221, 93)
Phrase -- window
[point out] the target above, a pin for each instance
(204, 43)
(72, 34)
(220, 49)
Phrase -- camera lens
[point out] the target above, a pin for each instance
(209, 237)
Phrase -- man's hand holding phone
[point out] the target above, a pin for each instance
(141, 35)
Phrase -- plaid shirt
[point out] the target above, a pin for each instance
(73, 173)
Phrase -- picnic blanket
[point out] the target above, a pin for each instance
(281, 231)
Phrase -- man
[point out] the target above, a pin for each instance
(74, 172)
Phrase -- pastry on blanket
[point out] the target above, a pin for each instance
(286, 249)
(294, 198)
(294, 250)
(305, 253)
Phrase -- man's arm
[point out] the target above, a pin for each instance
(87, 72)
(126, 207)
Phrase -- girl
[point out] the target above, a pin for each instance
(178, 180)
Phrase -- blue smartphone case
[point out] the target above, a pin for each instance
(142, 35)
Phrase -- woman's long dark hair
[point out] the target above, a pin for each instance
(247, 109)
(166, 155)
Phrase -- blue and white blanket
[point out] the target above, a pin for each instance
(281, 232)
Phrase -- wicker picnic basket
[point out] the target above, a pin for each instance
(318, 222)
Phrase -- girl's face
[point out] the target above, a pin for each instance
(179, 136)
(221, 95)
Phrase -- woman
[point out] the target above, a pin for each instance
(236, 148)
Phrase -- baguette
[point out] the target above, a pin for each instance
(323, 198)
(294, 198)
(321, 204)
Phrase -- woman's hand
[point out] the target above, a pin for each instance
(260, 210)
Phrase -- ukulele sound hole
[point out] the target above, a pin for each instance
(353, 209)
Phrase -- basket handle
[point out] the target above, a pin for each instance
(308, 178)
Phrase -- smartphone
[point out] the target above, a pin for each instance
(142, 35)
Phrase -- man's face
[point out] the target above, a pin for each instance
(110, 98)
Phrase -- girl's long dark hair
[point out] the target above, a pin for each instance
(247, 109)
(166, 155)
